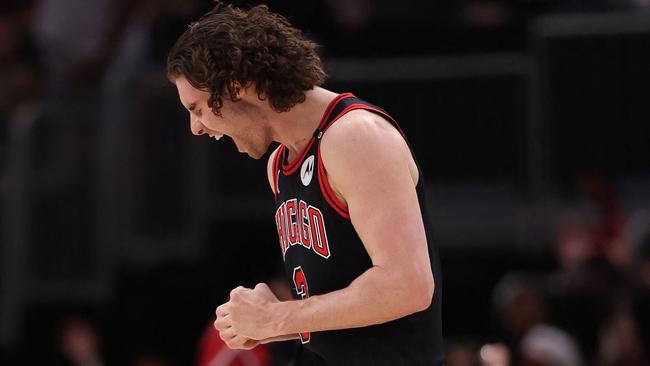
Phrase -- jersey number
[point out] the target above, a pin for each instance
(300, 281)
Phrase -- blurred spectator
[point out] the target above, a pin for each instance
(591, 280)
(467, 353)
(79, 342)
(462, 353)
(608, 231)
(497, 354)
(620, 343)
(574, 244)
(544, 345)
(518, 307)
(581, 299)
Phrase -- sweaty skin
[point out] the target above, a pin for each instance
(365, 157)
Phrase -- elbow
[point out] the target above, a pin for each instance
(419, 293)
(425, 291)
(409, 291)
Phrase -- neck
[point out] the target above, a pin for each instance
(295, 128)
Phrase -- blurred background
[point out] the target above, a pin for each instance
(120, 232)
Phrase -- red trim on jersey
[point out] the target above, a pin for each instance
(290, 168)
(368, 108)
(274, 167)
(326, 189)
(295, 164)
(328, 193)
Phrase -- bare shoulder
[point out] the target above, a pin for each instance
(365, 141)
(269, 168)
(365, 134)
(365, 131)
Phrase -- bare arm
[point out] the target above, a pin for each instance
(368, 164)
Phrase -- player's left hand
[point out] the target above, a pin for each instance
(248, 313)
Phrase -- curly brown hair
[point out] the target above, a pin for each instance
(228, 48)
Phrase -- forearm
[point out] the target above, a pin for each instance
(377, 296)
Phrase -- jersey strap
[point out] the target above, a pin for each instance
(350, 104)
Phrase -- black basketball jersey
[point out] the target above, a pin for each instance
(323, 253)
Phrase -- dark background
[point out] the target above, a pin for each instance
(530, 120)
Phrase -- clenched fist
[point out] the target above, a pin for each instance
(247, 318)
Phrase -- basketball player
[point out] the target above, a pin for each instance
(353, 232)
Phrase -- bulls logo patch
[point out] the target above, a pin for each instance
(307, 171)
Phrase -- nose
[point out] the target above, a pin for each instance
(196, 126)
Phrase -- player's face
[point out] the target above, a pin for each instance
(240, 120)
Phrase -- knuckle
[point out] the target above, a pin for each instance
(233, 343)
(221, 309)
(223, 337)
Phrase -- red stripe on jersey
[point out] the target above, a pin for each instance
(296, 162)
(290, 168)
(274, 167)
(368, 108)
(326, 189)
(328, 193)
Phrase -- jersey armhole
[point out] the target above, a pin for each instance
(326, 188)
